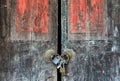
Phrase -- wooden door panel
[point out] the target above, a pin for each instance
(97, 57)
(87, 20)
(81, 12)
(25, 36)
(31, 18)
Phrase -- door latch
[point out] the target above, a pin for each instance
(60, 61)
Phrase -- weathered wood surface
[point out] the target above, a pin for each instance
(22, 59)
(87, 20)
(30, 19)
(96, 60)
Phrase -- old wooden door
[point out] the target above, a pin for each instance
(92, 29)
(27, 29)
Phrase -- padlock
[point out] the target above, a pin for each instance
(60, 61)
(62, 68)
(56, 60)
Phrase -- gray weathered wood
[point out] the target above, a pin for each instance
(20, 59)
(96, 60)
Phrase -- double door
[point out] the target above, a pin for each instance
(28, 28)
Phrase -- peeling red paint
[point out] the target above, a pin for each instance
(78, 8)
(32, 16)
(86, 16)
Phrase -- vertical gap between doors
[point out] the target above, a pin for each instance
(59, 37)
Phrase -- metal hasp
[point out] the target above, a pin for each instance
(60, 61)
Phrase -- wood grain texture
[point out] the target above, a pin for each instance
(96, 60)
(87, 19)
(81, 12)
(22, 60)
(30, 18)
